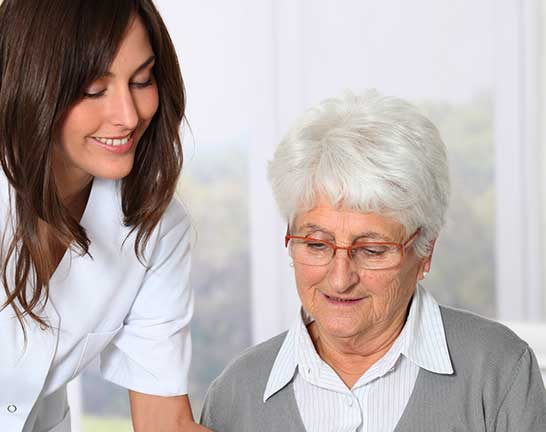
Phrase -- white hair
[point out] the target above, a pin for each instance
(369, 153)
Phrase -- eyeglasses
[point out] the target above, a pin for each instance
(365, 255)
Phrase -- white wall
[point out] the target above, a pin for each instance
(520, 213)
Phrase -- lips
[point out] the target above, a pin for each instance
(342, 300)
(117, 145)
(114, 141)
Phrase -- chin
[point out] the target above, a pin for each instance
(113, 173)
(343, 328)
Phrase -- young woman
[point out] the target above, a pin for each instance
(94, 249)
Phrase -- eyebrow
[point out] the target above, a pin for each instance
(314, 227)
(143, 66)
(367, 235)
(372, 235)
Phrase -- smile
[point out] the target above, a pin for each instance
(339, 300)
(114, 142)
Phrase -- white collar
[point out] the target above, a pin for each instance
(422, 341)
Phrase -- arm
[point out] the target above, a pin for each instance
(162, 414)
(523, 407)
(151, 354)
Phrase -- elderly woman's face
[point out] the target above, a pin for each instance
(344, 300)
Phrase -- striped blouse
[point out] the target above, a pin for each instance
(378, 399)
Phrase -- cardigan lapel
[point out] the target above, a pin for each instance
(284, 401)
(416, 403)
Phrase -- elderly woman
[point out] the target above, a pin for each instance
(363, 184)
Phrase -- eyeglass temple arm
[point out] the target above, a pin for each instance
(408, 241)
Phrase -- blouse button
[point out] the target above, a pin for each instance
(12, 408)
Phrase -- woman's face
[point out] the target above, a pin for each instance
(349, 302)
(101, 131)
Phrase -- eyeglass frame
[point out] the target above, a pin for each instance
(401, 246)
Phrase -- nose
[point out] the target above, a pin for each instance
(342, 275)
(123, 110)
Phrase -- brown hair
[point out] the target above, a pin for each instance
(50, 50)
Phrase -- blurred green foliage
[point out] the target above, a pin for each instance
(463, 270)
(214, 187)
(106, 424)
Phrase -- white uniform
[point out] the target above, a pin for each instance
(135, 316)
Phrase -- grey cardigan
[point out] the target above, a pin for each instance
(496, 387)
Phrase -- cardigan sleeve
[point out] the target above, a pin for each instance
(217, 407)
(523, 407)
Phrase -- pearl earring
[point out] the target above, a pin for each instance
(425, 274)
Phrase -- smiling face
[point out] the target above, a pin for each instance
(349, 302)
(101, 131)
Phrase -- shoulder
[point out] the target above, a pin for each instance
(110, 193)
(171, 240)
(234, 400)
(478, 330)
(496, 371)
(105, 220)
(238, 391)
(175, 213)
(251, 368)
(174, 227)
(476, 341)
(175, 221)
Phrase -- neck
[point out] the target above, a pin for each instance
(73, 186)
(351, 357)
(71, 189)
(77, 201)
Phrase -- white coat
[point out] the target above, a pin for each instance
(106, 303)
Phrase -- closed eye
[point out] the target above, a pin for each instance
(371, 250)
(94, 95)
(139, 85)
(134, 85)
(316, 245)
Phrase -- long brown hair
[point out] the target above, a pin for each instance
(50, 50)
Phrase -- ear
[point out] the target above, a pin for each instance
(426, 262)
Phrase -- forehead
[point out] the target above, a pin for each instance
(135, 47)
(345, 222)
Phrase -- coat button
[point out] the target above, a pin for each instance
(12, 408)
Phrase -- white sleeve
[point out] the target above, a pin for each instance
(152, 352)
